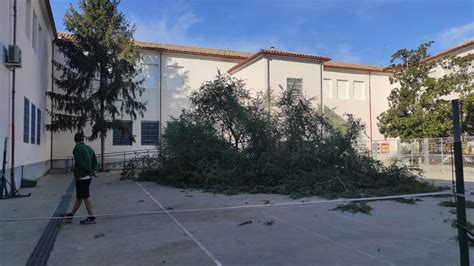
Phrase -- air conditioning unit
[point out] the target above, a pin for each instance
(13, 57)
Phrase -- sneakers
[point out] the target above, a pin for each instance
(88, 220)
(68, 218)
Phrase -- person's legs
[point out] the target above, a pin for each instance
(89, 207)
(76, 206)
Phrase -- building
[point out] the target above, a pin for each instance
(171, 73)
(35, 32)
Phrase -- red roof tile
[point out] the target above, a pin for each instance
(278, 53)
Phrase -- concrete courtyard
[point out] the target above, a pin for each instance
(190, 227)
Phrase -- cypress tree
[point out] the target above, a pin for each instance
(98, 80)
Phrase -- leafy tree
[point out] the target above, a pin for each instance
(98, 80)
(229, 142)
(419, 105)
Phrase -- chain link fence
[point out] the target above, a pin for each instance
(432, 155)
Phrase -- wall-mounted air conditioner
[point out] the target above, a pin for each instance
(13, 56)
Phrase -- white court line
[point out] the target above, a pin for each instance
(208, 253)
(385, 228)
(324, 237)
(236, 207)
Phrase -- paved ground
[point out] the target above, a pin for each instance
(395, 233)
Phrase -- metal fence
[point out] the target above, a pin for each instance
(429, 154)
(114, 160)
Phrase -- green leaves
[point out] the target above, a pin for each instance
(419, 105)
(98, 81)
(229, 142)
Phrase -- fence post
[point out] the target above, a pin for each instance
(426, 153)
(124, 159)
(460, 197)
(442, 156)
(399, 151)
(376, 153)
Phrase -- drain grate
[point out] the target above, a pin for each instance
(40, 254)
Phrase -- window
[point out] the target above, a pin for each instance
(342, 90)
(33, 123)
(359, 90)
(150, 75)
(122, 136)
(150, 133)
(28, 19)
(297, 86)
(38, 126)
(34, 32)
(26, 121)
(327, 88)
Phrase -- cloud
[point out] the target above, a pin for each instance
(171, 25)
(456, 35)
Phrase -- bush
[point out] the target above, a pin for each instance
(230, 142)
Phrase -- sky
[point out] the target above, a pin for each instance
(356, 31)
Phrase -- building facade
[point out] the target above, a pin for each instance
(171, 73)
(25, 123)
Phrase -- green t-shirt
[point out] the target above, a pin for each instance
(85, 160)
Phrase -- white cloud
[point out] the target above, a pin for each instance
(172, 25)
(456, 35)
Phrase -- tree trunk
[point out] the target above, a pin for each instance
(102, 152)
(102, 139)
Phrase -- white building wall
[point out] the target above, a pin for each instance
(32, 82)
(6, 38)
(254, 76)
(181, 74)
(379, 86)
(308, 70)
(380, 90)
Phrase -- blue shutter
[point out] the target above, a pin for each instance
(26, 121)
(38, 127)
(33, 123)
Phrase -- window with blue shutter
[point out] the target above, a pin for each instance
(26, 121)
(38, 127)
(33, 123)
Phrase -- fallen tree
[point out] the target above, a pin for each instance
(230, 142)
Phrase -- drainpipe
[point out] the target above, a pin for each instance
(12, 171)
(370, 114)
(321, 86)
(52, 103)
(268, 84)
(161, 102)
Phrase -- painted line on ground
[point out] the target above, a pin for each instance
(385, 228)
(43, 248)
(208, 253)
(323, 237)
(164, 211)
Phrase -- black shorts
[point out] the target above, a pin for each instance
(82, 188)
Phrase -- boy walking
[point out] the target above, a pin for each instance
(84, 167)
